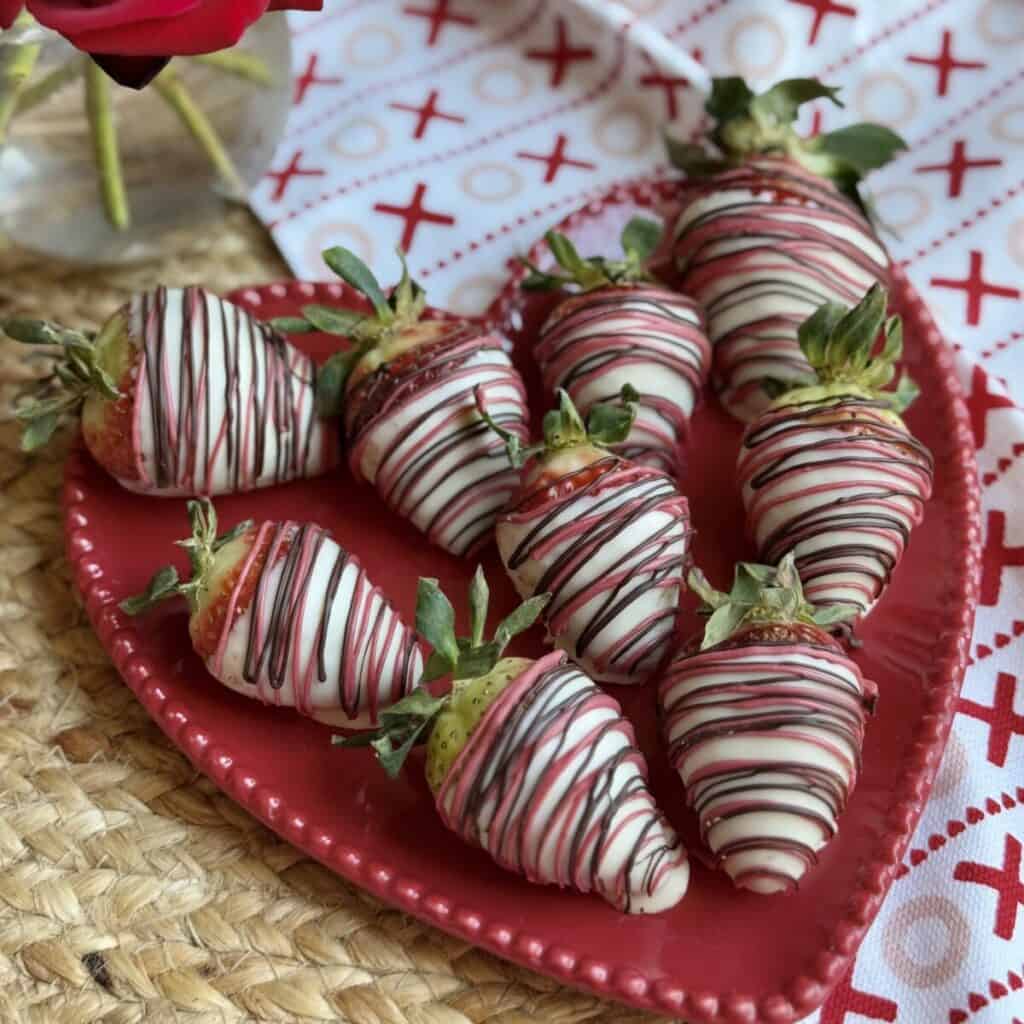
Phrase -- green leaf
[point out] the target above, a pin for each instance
(858, 328)
(33, 332)
(564, 252)
(521, 619)
(814, 332)
(352, 270)
(730, 97)
(392, 758)
(477, 661)
(563, 426)
(610, 423)
(905, 394)
(862, 146)
(331, 379)
(421, 703)
(233, 534)
(782, 101)
(39, 430)
(435, 619)
(291, 325)
(722, 624)
(479, 596)
(833, 613)
(332, 320)
(437, 667)
(701, 586)
(692, 158)
(163, 585)
(640, 238)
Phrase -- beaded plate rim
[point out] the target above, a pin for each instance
(606, 978)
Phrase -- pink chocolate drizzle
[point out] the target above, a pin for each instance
(549, 800)
(794, 244)
(759, 693)
(445, 441)
(380, 658)
(660, 332)
(210, 441)
(781, 461)
(565, 533)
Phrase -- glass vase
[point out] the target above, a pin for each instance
(198, 137)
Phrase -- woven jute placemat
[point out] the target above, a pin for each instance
(131, 889)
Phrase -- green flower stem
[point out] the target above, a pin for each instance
(104, 139)
(239, 63)
(177, 97)
(17, 69)
(40, 91)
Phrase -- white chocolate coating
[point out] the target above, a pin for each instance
(761, 249)
(316, 635)
(612, 554)
(552, 786)
(222, 403)
(767, 740)
(429, 453)
(645, 335)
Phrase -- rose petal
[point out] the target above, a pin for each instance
(9, 10)
(72, 19)
(209, 26)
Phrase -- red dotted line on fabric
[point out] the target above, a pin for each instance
(956, 826)
(999, 641)
(698, 16)
(968, 222)
(1004, 463)
(378, 88)
(968, 111)
(996, 990)
(576, 199)
(887, 33)
(1000, 346)
(413, 165)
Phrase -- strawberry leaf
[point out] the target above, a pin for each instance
(692, 158)
(477, 661)
(861, 146)
(436, 667)
(38, 430)
(331, 320)
(479, 596)
(352, 270)
(163, 585)
(783, 100)
(611, 423)
(291, 325)
(435, 620)
(520, 620)
(564, 251)
(730, 97)
(640, 238)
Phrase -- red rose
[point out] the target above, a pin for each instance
(150, 28)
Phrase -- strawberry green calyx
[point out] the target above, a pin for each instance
(640, 238)
(841, 344)
(391, 315)
(564, 428)
(476, 666)
(748, 124)
(87, 366)
(202, 546)
(761, 594)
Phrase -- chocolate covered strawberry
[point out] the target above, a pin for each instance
(773, 227)
(625, 327)
(184, 393)
(533, 762)
(830, 472)
(764, 724)
(607, 538)
(405, 388)
(281, 613)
